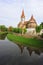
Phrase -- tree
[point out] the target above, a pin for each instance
(17, 30)
(10, 29)
(3, 28)
(41, 25)
(38, 28)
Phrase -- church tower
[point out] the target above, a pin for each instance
(22, 16)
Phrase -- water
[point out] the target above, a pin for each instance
(13, 54)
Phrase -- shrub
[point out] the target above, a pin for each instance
(25, 31)
(38, 28)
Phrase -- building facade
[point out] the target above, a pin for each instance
(30, 25)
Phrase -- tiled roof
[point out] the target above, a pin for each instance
(32, 20)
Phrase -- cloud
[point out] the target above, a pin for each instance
(10, 11)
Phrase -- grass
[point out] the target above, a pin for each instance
(26, 41)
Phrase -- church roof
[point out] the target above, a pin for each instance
(32, 20)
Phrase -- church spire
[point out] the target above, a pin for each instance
(32, 16)
(23, 15)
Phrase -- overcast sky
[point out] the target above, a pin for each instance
(10, 11)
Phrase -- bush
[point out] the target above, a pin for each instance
(25, 31)
(38, 28)
(17, 30)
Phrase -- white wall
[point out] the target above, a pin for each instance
(31, 31)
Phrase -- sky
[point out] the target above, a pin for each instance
(10, 11)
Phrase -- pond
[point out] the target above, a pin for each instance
(13, 54)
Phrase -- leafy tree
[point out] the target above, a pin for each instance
(41, 25)
(38, 28)
(17, 30)
(3, 28)
(10, 29)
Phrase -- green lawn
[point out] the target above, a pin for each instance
(26, 41)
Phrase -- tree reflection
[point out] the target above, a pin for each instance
(36, 50)
(21, 48)
(29, 50)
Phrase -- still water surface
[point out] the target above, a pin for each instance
(13, 54)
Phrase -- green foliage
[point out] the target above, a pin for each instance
(10, 29)
(41, 25)
(3, 35)
(38, 28)
(25, 30)
(26, 41)
(3, 28)
(17, 30)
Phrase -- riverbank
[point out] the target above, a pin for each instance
(25, 41)
(3, 35)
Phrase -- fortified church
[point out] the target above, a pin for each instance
(27, 24)
(30, 25)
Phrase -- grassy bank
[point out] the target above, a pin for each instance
(3, 35)
(26, 41)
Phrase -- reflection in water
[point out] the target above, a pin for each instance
(21, 47)
(30, 49)
(14, 54)
(36, 50)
